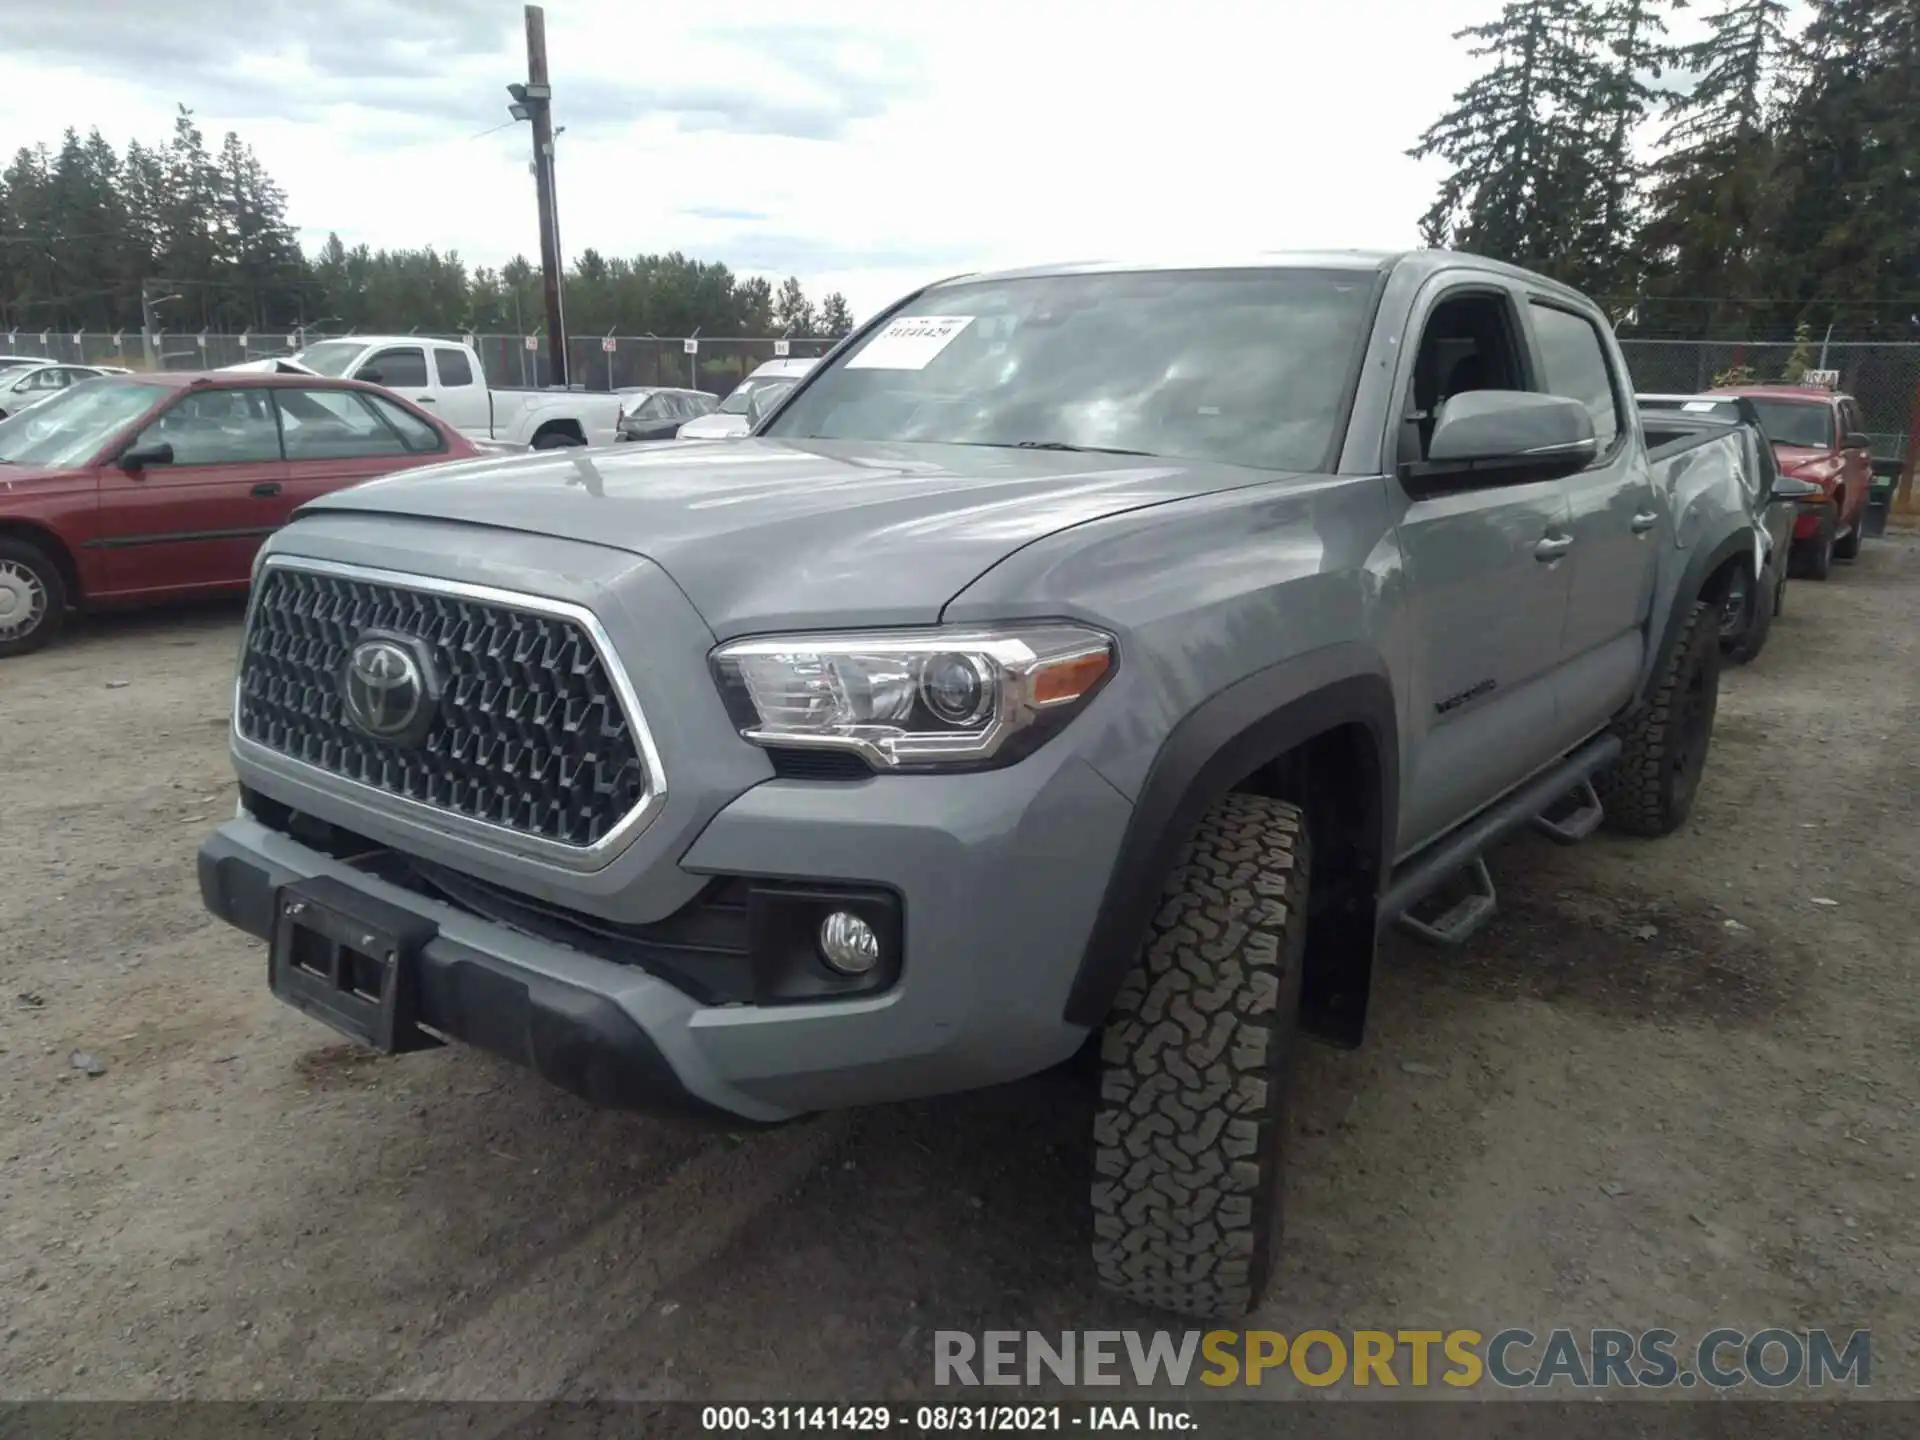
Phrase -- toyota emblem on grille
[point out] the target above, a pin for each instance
(389, 689)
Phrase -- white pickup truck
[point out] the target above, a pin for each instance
(446, 376)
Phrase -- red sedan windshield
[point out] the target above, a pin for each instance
(72, 427)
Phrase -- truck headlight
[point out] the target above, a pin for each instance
(914, 700)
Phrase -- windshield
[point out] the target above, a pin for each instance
(330, 357)
(1797, 422)
(736, 401)
(1248, 367)
(72, 427)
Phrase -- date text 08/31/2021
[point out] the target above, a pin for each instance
(937, 1419)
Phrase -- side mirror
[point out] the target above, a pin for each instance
(1858, 440)
(1786, 487)
(1509, 435)
(142, 457)
(371, 375)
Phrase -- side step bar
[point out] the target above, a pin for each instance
(1420, 875)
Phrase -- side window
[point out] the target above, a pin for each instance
(1850, 422)
(1468, 343)
(334, 425)
(403, 367)
(53, 378)
(454, 367)
(217, 427)
(655, 408)
(419, 436)
(1574, 364)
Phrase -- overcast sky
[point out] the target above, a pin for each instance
(864, 146)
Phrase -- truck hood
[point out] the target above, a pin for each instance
(772, 534)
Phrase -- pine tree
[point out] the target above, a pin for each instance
(792, 310)
(1848, 243)
(835, 318)
(1710, 205)
(1519, 139)
(1626, 37)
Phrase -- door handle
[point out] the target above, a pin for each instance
(266, 490)
(1645, 521)
(424, 400)
(1553, 547)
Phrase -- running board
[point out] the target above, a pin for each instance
(1576, 824)
(1420, 875)
(1462, 921)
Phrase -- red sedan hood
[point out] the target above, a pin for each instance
(1793, 458)
(29, 479)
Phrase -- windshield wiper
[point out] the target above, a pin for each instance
(1082, 449)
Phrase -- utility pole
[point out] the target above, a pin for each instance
(534, 101)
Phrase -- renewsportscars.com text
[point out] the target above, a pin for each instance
(1514, 1359)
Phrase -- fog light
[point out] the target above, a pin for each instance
(848, 944)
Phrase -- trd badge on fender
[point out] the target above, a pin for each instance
(389, 687)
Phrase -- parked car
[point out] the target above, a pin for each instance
(14, 362)
(1674, 424)
(1088, 654)
(446, 376)
(125, 490)
(27, 385)
(1818, 435)
(730, 418)
(657, 412)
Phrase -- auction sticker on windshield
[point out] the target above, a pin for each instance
(909, 343)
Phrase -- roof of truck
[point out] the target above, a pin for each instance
(1358, 261)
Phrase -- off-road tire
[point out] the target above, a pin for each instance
(1196, 1064)
(24, 564)
(1816, 555)
(1650, 789)
(1748, 644)
(1847, 547)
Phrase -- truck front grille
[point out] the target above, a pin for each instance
(529, 735)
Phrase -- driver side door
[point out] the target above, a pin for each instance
(193, 523)
(1486, 580)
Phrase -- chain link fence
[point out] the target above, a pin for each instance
(1883, 377)
(715, 364)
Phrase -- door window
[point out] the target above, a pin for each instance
(336, 425)
(655, 408)
(217, 427)
(454, 367)
(1468, 344)
(401, 367)
(415, 433)
(1573, 362)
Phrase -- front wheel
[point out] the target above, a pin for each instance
(1196, 1065)
(33, 597)
(1746, 642)
(1649, 790)
(1816, 555)
(1847, 547)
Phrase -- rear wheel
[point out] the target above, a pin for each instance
(33, 597)
(1650, 789)
(556, 440)
(1196, 1065)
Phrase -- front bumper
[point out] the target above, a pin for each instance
(1000, 875)
(1811, 514)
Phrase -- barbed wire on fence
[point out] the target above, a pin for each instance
(719, 363)
(1884, 376)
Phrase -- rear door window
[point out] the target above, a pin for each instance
(1573, 363)
(455, 369)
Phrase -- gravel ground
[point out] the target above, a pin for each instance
(1673, 1084)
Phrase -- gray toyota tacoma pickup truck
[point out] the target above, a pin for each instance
(1082, 658)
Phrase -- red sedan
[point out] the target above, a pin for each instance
(137, 488)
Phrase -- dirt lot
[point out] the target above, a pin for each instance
(1674, 1085)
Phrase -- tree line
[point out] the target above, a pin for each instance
(1760, 181)
(87, 233)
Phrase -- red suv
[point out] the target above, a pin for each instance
(135, 488)
(1817, 436)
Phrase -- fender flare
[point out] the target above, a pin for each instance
(1701, 563)
(1256, 720)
